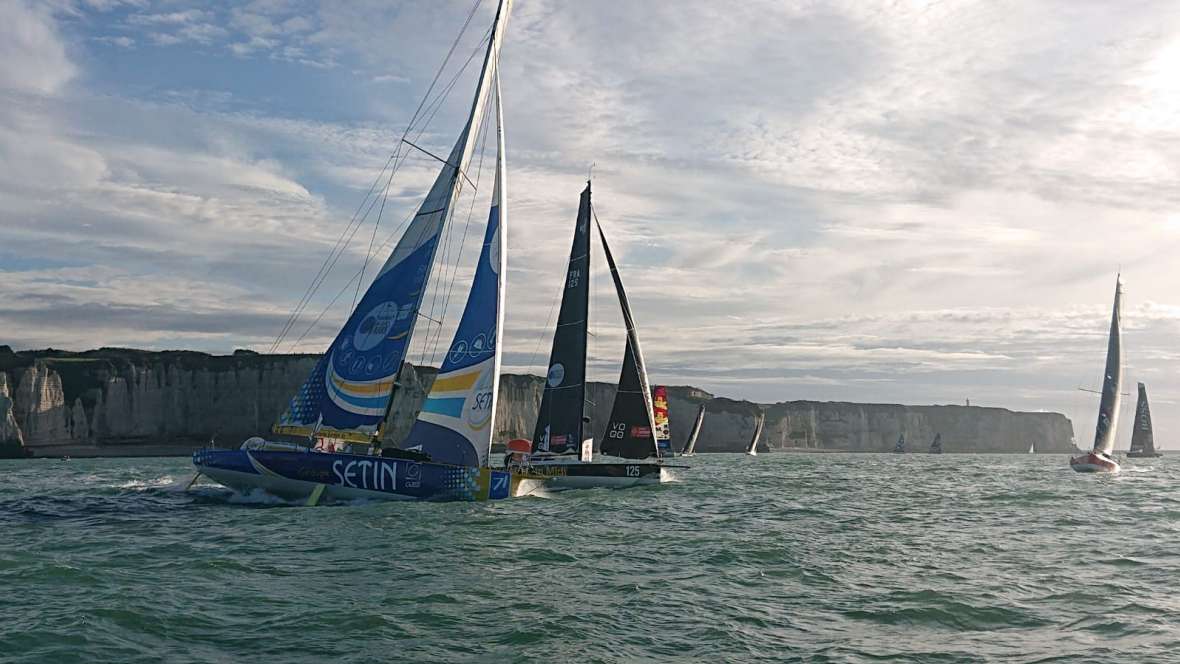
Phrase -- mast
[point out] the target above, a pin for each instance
(690, 445)
(631, 431)
(559, 426)
(457, 419)
(1142, 437)
(1112, 382)
(348, 394)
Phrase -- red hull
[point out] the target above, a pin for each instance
(1094, 463)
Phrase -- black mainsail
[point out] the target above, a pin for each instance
(559, 421)
(630, 432)
(1142, 437)
(690, 445)
(752, 449)
(1112, 381)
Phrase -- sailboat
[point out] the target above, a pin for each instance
(690, 445)
(899, 448)
(936, 446)
(339, 412)
(1142, 436)
(561, 419)
(1099, 459)
(1032, 448)
(752, 448)
(659, 408)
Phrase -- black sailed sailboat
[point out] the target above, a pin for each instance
(630, 433)
(899, 448)
(936, 446)
(1100, 459)
(752, 448)
(1142, 436)
(690, 445)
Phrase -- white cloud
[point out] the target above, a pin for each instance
(32, 56)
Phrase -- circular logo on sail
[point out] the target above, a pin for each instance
(375, 326)
(479, 402)
(556, 375)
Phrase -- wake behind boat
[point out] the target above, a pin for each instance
(1100, 459)
(343, 405)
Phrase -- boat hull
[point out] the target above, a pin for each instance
(574, 474)
(1093, 462)
(1143, 455)
(296, 476)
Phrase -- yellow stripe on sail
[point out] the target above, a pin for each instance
(371, 388)
(460, 383)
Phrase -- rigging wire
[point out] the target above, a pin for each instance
(338, 249)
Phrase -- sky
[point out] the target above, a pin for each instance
(900, 202)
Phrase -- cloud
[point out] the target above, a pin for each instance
(917, 202)
(32, 56)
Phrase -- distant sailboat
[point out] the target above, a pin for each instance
(936, 446)
(752, 449)
(690, 445)
(1032, 448)
(1100, 459)
(338, 414)
(561, 419)
(899, 447)
(1142, 436)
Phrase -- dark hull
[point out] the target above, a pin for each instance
(1143, 455)
(575, 474)
(296, 475)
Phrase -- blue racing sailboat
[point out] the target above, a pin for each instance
(341, 408)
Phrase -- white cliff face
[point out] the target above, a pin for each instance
(10, 432)
(190, 398)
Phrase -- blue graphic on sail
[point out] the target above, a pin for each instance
(455, 424)
(350, 388)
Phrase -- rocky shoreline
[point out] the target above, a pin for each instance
(112, 401)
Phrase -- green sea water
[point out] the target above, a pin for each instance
(787, 557)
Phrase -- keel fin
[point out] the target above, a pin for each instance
(316, 494)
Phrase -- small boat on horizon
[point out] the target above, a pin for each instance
(936, 445)
(752, 448)
(899, 447)
(1142, 436)
(1100, 459)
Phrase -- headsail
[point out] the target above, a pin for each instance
(659, 408)
(1112, 381)
(457, 419)
(753, 447)
(630, 432)
(1142, 437)
(349, 391)
(559, 421)
(690, 445)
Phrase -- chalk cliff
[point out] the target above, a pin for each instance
(120, 396)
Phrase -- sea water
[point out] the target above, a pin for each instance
(780, 557)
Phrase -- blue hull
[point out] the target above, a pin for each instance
(296, 475)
